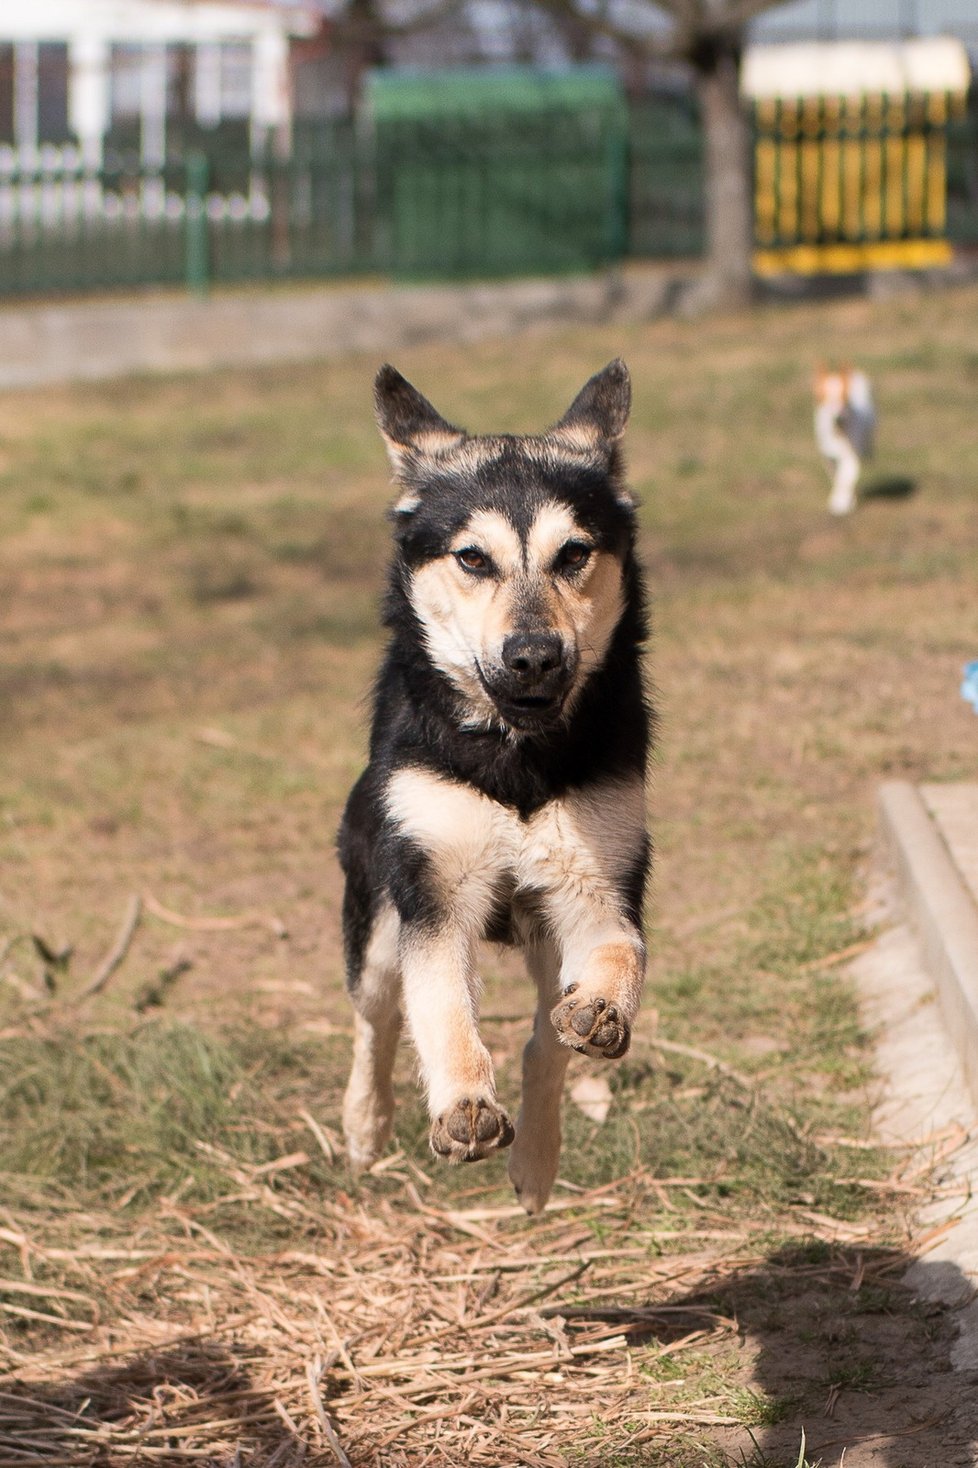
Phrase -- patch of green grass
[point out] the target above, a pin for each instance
(112, 1113)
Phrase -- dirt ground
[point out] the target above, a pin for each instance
(189, 578)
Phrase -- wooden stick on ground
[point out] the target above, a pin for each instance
(712, 1062)
(118, 951)
(214, 924)
(328, 1430)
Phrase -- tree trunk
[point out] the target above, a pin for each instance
(360, 41)
(729, 198)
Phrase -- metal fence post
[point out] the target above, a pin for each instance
(196, 261)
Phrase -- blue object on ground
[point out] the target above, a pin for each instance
(969, 688)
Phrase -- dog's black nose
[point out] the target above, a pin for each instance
(532, 655)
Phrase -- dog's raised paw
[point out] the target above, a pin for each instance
(590, 1025)
(472, 1129)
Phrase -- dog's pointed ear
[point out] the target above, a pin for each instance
(597, 417)
(412, 429)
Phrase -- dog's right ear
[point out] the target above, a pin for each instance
(597, 417)
(412, 429)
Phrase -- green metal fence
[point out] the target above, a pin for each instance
(499, 170)
(487, 198)
(557, 189)
(962, 175)
(562, 189)
(665, 178)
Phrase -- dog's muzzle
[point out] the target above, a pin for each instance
(530, 686)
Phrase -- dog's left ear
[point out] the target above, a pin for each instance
(597, 417)
(412, 429)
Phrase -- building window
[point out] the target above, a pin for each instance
(236, 66)
(34, 93)
(223, 82)
(6, 93)
(125, 83)
(52, 92)
(179, 83)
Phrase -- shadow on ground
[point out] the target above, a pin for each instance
(837, 1347)
(158, 1406)
(888, 487)
(847, 1353)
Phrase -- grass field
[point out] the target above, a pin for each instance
(189, 577)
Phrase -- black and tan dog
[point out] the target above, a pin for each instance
(504, 796)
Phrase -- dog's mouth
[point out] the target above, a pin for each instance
(535, 701)
(527, 713)
(531, 710)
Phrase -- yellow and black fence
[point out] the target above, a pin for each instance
(851, 155)
(852, 183)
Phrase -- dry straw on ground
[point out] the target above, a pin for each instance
(387, 1331)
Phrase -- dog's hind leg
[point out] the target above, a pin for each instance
(368, 1105)
(536, 1150)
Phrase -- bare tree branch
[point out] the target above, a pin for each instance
(359, 23)
(696, 26)
(640, 47)
(694, 23)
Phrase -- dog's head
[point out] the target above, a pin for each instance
(512, 550)
(830, 387)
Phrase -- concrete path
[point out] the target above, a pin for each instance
(932, 833)
(954, 809)
(925, 1103)
(919, 989)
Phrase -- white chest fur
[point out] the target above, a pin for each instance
(574, 850)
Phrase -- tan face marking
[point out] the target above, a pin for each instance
(467, 618)
(584, 608)
(493, 534)
(553, 527)
(581, 439)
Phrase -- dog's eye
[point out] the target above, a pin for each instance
(574, 556)
(471, 559)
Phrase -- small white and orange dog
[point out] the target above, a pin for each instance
(845, 426)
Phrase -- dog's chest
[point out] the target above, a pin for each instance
(583, 843)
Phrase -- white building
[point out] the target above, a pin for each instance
(72, 72)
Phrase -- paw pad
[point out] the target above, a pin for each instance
(591, 1025)
(472, 1129)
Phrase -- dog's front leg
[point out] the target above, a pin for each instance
(602, 974)
(843, 496)
(440, 989)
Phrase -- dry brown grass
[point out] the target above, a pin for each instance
(388, 1329)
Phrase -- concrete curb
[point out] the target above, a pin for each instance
(165, 332)
(942, 911)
